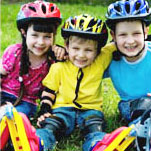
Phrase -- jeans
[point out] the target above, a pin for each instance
(132, 110)
(124, 108)
(25, 107)
(71, 117)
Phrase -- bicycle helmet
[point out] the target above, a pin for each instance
(85, 26)
(38, 11)
(126, 9)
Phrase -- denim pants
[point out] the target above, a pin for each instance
(132, 110)
(71, 117)
(25, 107)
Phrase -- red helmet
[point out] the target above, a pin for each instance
(38, 11)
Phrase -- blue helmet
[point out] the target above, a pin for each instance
(128, 9)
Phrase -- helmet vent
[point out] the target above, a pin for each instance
(92, 23)
(43, 9)
(127, 7)
(72, 21)
(117, 8)
(81, 23)
(84, 15)
(52, 8)
(137, 6)
(32, 8)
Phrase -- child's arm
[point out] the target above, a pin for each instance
(47, 100)
(8, 59)
(106, 54)
(2, 70)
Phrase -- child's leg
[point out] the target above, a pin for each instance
(6, 97)
(50, 128)
(27, 108)
(23, 107)
(55, 127)
(124, 108)
(135, 110)
(48, 133)
(91, 123)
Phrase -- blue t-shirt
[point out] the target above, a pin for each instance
(132, 80)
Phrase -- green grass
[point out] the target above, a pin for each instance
(10, 35)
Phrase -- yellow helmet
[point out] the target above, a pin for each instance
(85, 26)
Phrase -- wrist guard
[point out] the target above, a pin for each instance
(45, 108)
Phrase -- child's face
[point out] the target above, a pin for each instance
(82, 52)
(38, 42)
(129, 37)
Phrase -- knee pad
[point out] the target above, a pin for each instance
(136, 114)
(139, 106)
(54, 123)
(93, 124)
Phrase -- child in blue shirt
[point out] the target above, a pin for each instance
(129, 24)
(129, 31)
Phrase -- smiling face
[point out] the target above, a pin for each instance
(129, 37)
(38, 42)
(82, 52)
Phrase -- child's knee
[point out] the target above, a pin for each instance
(54, 124)
(93, 124)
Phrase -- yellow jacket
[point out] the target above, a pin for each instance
(62, 78)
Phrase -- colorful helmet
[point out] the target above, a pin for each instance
(38, 11)
(126, 9)
(85, 26)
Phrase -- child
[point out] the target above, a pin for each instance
(130, 68)
(72, 94)
(24, 66)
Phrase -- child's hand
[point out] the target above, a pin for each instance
(45, 111)
(60, 52)
(42, 118)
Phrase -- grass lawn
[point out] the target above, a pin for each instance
(10, 35)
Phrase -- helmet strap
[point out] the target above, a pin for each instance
(143, 29)
(123, 54)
